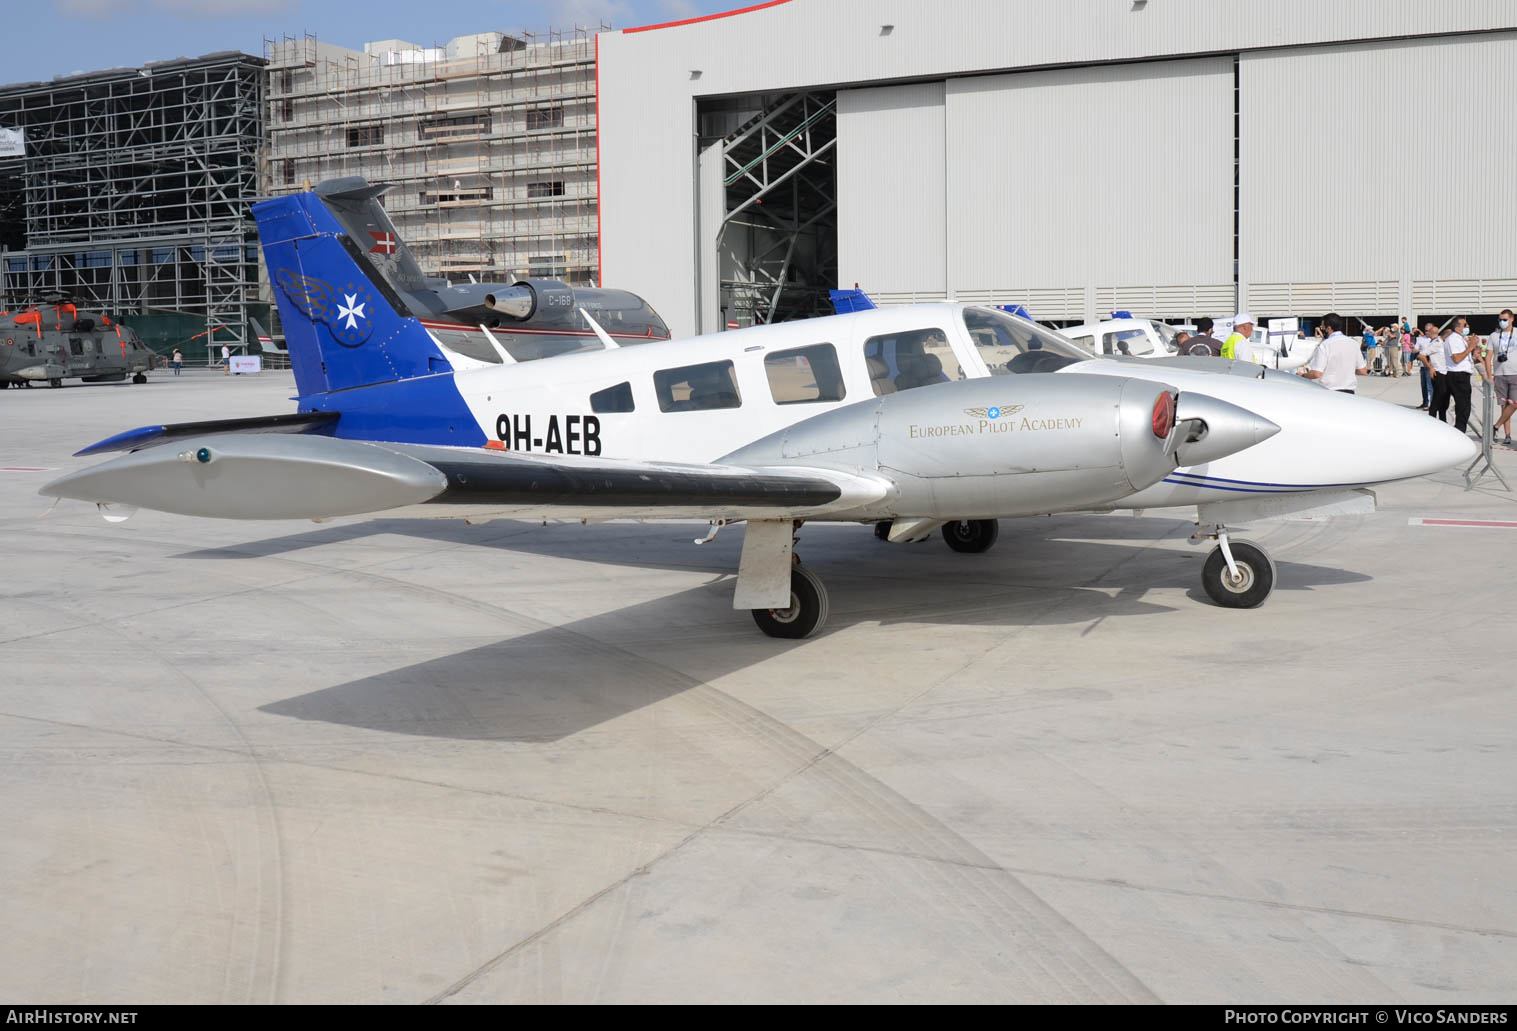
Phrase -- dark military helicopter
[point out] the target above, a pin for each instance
(55, 341)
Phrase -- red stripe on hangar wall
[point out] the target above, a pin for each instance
(706, 17)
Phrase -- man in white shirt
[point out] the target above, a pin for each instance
(1337, 359)
(1435, 387)
(1458, 355)
(226, 360)
(1504, 342)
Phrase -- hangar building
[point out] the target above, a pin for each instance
(1171, 157)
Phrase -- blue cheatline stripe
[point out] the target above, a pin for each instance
(1259, 483)
(1239, 490)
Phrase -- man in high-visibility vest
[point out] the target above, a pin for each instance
(1236, 345)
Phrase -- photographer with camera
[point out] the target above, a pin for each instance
(1504, 343)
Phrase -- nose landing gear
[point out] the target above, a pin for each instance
(1238, 574)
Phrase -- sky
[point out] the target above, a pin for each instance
(63, 37)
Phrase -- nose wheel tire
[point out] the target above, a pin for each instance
(1255, 580)
(971, 536)
(805, 614)
(55, 382)
(139, 378)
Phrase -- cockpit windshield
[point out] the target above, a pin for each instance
(1012, 346)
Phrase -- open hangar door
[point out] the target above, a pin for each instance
(767, 197)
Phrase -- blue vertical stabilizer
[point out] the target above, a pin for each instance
(845, 302)
(344, 326)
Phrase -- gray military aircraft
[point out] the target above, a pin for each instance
(56, 341)
(490, 322)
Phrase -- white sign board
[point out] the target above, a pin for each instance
(246, 363)
(12, 143)
(1284, 327)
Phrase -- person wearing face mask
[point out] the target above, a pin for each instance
(1504, 344)
(1458, 355)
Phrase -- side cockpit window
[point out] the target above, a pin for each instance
(1012, 346)
(697, 388)
(612, 399)
(904, 361)
(804, 375)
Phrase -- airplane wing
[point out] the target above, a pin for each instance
(284, 475)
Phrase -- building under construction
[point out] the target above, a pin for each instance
(129, 189)
(489, 143)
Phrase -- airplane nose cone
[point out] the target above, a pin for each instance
(1440, 446)
(1392, 443)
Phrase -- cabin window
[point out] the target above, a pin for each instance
(804, 375)
(612, 399)
(75, 346)
(903, 361)
(697, 388)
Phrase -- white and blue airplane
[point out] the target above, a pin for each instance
(915, 419)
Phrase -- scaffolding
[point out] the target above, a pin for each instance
(134, 190)
(488, 142)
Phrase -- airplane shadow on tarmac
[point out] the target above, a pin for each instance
(545, 682)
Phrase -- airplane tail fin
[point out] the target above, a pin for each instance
(345, 325)
(354, 202)
(846, 301)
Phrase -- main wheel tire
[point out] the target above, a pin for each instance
(971, 536)
(139, 378)
(55, 382)
(806, 613)
(882, 530)
(1256, 576)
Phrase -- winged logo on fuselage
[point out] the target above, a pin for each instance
(994, 411)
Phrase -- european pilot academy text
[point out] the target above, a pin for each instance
(1385, 1016)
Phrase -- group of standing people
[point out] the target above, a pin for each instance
(1447, 360)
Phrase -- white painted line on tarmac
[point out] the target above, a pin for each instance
(1484, 524)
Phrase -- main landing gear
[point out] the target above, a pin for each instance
(971, 536)
(806, 613)
(1238, 574)
(786, 599)
(139, 378)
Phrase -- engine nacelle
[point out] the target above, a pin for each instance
(998, 447)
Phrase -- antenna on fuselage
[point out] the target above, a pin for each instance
(505, 356)
(605, 338)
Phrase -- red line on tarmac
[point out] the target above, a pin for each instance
(23, 469)
(1492, 524)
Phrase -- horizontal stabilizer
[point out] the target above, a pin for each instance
(148, 436)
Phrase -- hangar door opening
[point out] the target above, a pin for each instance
(768, 208)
